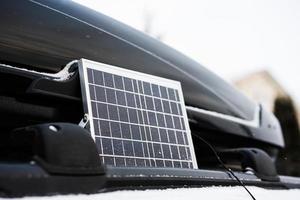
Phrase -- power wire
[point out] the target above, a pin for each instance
(223, 165)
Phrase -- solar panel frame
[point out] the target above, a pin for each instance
(161, 84)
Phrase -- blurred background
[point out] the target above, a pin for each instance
(253, 44)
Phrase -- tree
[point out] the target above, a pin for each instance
(149, 22)
(288, 161)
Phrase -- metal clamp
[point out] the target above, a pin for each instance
(84, 121)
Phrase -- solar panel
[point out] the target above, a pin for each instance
(136, 119)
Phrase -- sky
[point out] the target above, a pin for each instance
(231, 38)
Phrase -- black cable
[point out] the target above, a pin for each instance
(223, 165)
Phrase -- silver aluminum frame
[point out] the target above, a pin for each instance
(83, 64)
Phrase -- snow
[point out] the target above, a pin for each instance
(222, 193)
(62, 75)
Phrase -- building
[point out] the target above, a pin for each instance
(261, 87)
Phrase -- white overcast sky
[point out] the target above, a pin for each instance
(230, 37)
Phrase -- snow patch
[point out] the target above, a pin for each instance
(62, 75)
(218, 193)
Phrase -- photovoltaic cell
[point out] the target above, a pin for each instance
(136, 119)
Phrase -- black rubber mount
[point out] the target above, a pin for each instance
(256, 159)
(60, 148)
